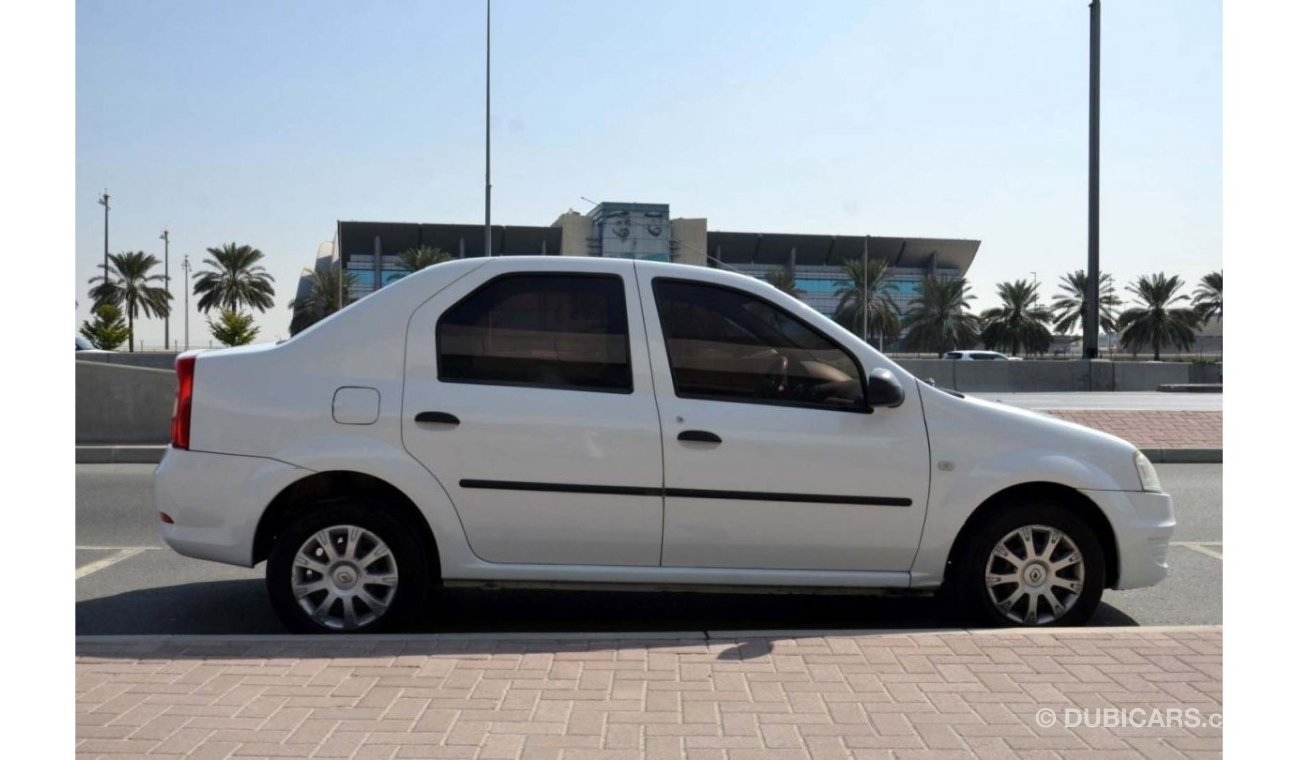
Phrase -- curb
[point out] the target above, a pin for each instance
(1184, 456)
(159, 640)
(121, 454)
(1190, 388)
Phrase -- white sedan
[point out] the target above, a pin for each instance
(980, 356)
(632, 424)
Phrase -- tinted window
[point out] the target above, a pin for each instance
(728, 345)
(549, 330)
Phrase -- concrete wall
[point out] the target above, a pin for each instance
(943, 373)
(121, 404)
(1057, 376)
(152, 359)
(1145, 376)
(692, 240)
(575, 228)
(1207, 373)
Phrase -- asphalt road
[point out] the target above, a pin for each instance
(129, 583)
(1146, 400)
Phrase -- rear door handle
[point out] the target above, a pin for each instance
(442, 417)
(698, 436)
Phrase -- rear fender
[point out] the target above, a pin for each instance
(394, 466)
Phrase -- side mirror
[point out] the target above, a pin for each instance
(883, 389)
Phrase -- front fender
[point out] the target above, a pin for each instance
(955, 495)
(979, 449)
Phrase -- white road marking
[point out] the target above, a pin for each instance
(110, 560)
(1201, 547)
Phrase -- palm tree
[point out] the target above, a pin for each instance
(782, 278)
(234, 279)
(1071, 302)
(940, 319)
(1208, 298)
(865, 295)
(1020, 322)
(128, 284)
(104, 291)
(415, 259)
(328, 291)
(1157, 322)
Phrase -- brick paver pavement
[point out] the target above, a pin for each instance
(1167, 429)
(807, 695)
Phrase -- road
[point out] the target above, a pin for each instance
(129, 583)
(1146, 400)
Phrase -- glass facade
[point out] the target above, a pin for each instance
(820, 283)
(362, 269)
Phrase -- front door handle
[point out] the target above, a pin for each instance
(698, 436)
(442, 417)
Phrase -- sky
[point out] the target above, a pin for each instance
(265, 123)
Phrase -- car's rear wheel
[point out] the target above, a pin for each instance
(346, 566)
(1033, 564)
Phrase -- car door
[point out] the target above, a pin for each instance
(771, 459)
(528, 396)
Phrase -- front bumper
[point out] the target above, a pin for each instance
(216, 501)
(1143, 523)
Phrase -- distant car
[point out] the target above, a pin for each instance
(570, 420)
(980, 356)
(84, 347)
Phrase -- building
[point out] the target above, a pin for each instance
(368, 250)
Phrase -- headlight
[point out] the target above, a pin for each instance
(1146, 473)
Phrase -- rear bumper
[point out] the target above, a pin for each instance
(216, 501)
(1143, 523)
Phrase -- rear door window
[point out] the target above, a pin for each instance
(548, 330)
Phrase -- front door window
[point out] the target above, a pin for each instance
(727, 345)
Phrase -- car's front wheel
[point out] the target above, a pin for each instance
(346, 566)
(1032, 565)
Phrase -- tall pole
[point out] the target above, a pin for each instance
(866, 264)
(103, 201)
(185, 265)
(1090, 315)
(167, 285)
(487, 142)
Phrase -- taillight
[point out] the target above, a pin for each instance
(184, 395)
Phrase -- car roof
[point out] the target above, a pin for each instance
(598, 264)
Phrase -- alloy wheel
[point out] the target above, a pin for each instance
(344, 577)
(1034, 574)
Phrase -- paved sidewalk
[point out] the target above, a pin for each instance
(1148, 429)
(889, 694)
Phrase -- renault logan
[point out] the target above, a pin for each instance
(632, 424)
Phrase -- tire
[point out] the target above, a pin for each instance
(367, 544)
(1075, 587)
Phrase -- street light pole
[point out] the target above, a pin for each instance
(103, 201)
(866, 264)
(1092, 312)
(167, 285)
(185, 266)
(487, 142)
